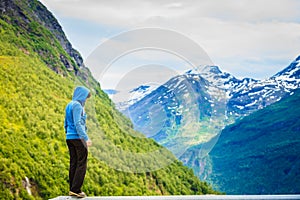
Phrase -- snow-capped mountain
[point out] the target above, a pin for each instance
(140, 92)
(248, 95)
(188, 110)
(191, 108)
(124, 99)
(171, 113)
(208, 97)
(257, 94)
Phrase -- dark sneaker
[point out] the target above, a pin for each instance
(78, 195)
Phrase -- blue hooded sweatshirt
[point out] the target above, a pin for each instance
(75, 117)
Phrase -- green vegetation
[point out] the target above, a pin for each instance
(30, 36)
(259, 154)
(35, 87)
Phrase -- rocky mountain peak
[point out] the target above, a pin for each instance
(28, 15)
(211, 69)
(292, 71)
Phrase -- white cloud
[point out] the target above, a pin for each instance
(237, 35)
(249, 10)
(117, 13)
(124, 13)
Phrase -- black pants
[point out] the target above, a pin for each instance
(78, 162)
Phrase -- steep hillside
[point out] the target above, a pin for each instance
(38, 71)
(259, 154)
(46, 40)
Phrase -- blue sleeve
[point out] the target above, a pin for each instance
(65, 124)
(79, 121)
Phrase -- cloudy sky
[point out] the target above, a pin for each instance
(247, 38)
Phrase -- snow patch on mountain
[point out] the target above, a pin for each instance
(242, 96)
(124, 99)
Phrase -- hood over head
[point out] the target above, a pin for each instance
(80, 94)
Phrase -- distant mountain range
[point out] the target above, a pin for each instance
(209, 94)
(191, 109)
(131, 96)
(244, 95)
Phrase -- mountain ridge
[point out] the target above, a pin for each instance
(243, 95)
(224, 99)
(35, 14)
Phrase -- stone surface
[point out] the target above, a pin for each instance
(188, 197)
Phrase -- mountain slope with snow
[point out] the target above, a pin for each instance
(255, 95)
(241, 97)
(190, 109)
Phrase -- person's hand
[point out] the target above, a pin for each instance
(89, 143)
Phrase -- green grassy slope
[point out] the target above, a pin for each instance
(35, 86)
(259, 154)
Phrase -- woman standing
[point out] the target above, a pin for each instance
(77, 139)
